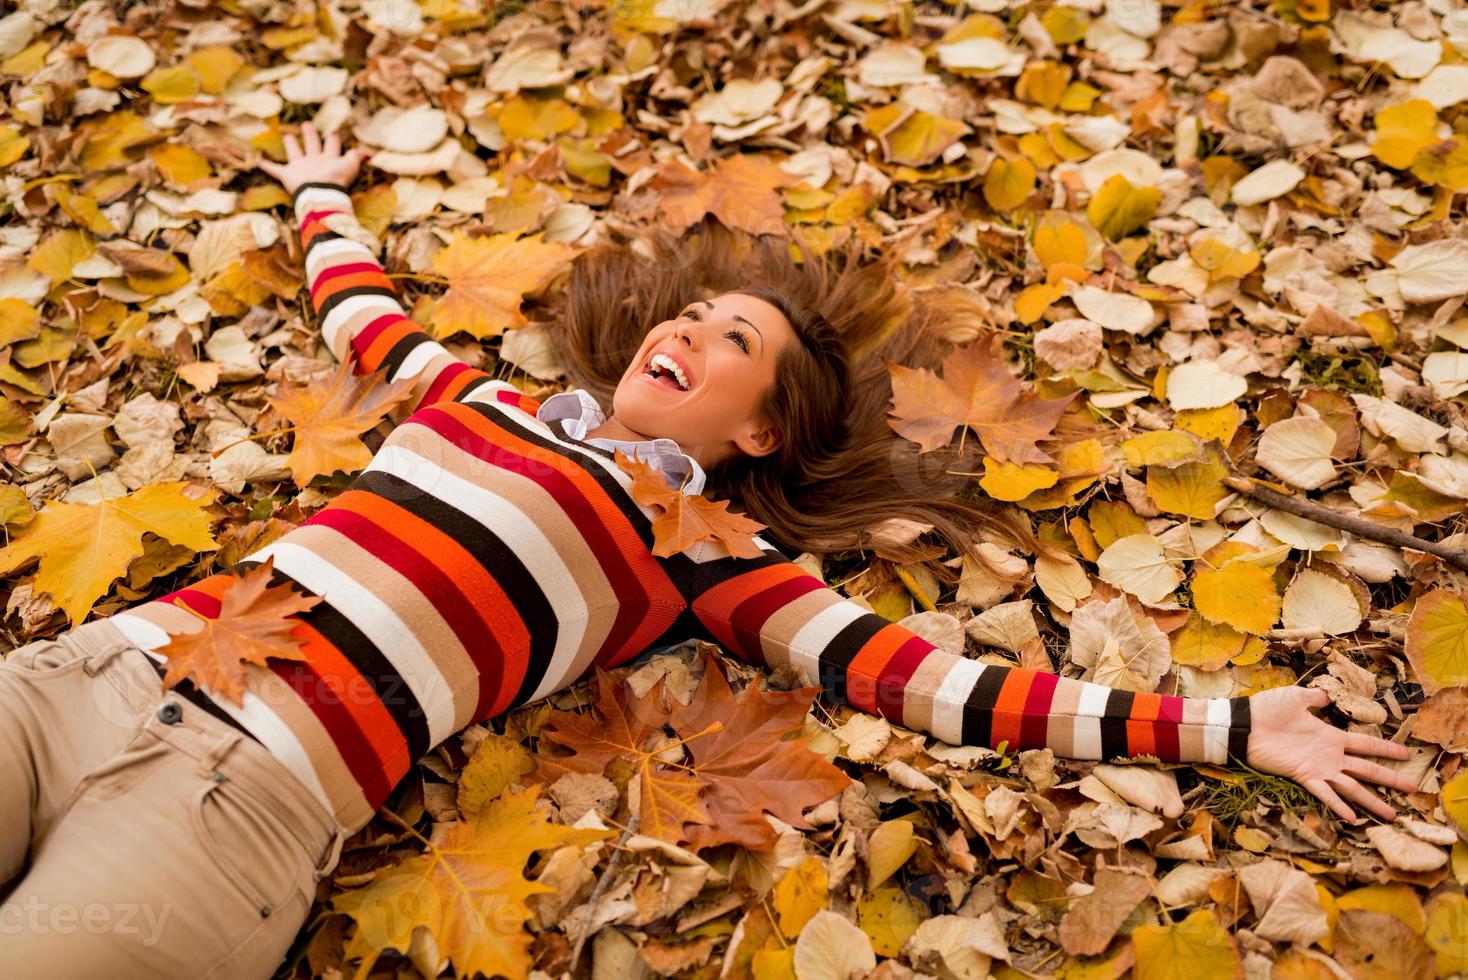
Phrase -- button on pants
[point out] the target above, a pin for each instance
(139, 835)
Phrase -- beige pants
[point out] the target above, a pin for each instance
(139, 835)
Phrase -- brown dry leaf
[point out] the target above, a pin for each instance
(1090, 923)
(688, 518)
(975, 390)
(329, 416)
(256, 623)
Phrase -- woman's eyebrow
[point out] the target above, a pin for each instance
(737, 317)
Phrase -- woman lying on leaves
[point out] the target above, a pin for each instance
(491, 554)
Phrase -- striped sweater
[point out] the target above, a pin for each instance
(488, 557)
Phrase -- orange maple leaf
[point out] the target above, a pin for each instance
(976, 390)
(668, 797)
(489, 278)
(254, 624)
(329, 416)
(688, 518)
(741, 762)
(740, 192)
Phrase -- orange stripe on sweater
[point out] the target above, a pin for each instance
(1009, 707)
(335, 284)
(867, 666)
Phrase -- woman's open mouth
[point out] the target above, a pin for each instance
(663, 370)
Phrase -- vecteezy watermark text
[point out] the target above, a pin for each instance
(134, 919)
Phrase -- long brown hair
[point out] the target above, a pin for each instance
(840, 470)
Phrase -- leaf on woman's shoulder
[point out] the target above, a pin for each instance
(688, 518)
(255, 623)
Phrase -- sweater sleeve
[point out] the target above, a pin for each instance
(769, 611)
(361, 317)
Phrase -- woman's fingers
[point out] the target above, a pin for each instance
(292, 148)
(1364, 798)
(1331, 799)
(1367, 745)
(1377, 773)
(333, 147)
(310, 139)
(273, 169)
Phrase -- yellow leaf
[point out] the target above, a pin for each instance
(1035, 299)
(1209, 424)
(1222, 258)
(1015, 481)
(1398, 901)
(330, 414)
(28, 61)
(1447, 932)
(1043, 82)
(108, 141)
(889, 917)
(522, 118)
(52, 345)
(1190, 489)
(19, 320)
(1205, 645)
(1112, 520)
(467, 890)
(1063, 244)
(497, 763)
(1455, 800)
(1198, 948)
(215, 66)
(1402, 130)
(13, 146)
(174, 276)
(911, 136)
(1437, 640)
(1444, 163)
(1065, 25)
(1008, 184)
(1119, 208)
(55, 257)
(179, 165)
(1079, 97)
(169, 86)
(83, 210)
(15, 422)
(83, 547)
(889, 848)
(1163, 447)
(374, 208)
(489, 279)
(1239, 594)
(800, 894)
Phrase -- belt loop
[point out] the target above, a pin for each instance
(98, 642)
(209, 761)
(333, 853)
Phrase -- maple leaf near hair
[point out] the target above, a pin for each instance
(739, 764)
(976, 390)
(329, 416)
(253, 625)
(688, 518)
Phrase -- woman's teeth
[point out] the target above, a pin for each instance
(662, 362)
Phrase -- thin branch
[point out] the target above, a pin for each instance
(607, 874)
(1312, 511)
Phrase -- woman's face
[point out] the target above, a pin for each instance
(725, 349)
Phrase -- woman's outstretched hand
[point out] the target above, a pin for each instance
(317, 162)
(1285, 739)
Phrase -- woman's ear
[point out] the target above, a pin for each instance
(761, 442)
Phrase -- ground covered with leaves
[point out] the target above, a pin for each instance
(1222, 372)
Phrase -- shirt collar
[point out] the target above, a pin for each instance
(582, 413)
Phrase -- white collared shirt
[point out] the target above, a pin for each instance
(582, 414)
